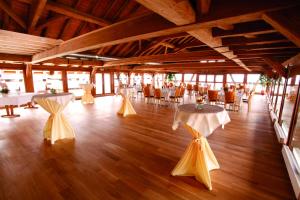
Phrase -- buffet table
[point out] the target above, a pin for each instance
(198, 158)
(57, 127)
(87, 97)
(126, 108)
(9, 101)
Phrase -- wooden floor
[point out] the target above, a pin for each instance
(131, 158)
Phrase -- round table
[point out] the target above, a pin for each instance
(10, 100)
(127, 108)
(198, 158)
(57, 127)
(87, 97)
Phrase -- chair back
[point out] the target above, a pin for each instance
(229, 97)
(181, 91)
(212, 95)
(157, 93)
(147, 91)
(177, 92)
(196, 88)
(189, 87)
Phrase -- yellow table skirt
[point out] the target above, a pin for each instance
(126, 108)
(87, 97)
(57, 127)
(197, 160)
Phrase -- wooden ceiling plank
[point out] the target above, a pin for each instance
(73, 13)
(293, 61)
(12, 14)
(154, 26)
(203, 6)
(180, 11)
(36, 10)
(51, 21)
(284, 25)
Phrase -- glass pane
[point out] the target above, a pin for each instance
(288, 107)
(14, 80)
(159, 80)
(218, 86)
(99, 86)
(252, 82)
(296, 135)
(219, 78)
(54, 81)
(75, 79)
(276, 94)
(39, 80)
(238, 78)
(107, 84)
(190, 78)
(124, 78)
(210, 78)
(147, 79)
(202, 78)
(178, 79)
(229, 79)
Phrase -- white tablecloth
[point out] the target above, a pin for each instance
(57, 127)
(205, 121)
(61, 98)
(15, 98)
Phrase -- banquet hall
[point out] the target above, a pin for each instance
(149, 99)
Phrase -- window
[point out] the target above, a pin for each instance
(54, 81)
(75, 79)
(99, 84)
(14, 80)
(190, 78)
(147, 79)
(238, 78)
(124, 78)
(210, 81)
(288, 106)
(40, 80)
(218, 82)
(279, 95)
(107, 84)
(202, 78)
(135, 79)
(253, 82)
(178, 79)
(159, 80)
(275, 102)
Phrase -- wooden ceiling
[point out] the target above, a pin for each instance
(209, 36)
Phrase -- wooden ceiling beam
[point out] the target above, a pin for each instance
(12, 14)
(36, 10)
(203, 6)
(13, 57)
(51, 21)
(193, 56)
(156, 26)
(261, 39)
(276, 66)
(181, 11)
(287, 23)
(250, 28)
(73, 13)
(293, 61)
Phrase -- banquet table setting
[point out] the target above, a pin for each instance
(10, 100)
(57, 126)
(126, 107)
(200, 120)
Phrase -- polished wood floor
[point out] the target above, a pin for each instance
(131, 158)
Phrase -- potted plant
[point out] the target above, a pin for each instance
(4, 90)
(265, 82)
(170, 77)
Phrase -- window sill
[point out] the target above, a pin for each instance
(291, 165)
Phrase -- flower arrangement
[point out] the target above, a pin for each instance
(53, 91)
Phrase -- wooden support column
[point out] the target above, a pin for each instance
(293, 81)
(197, 79)
(128, 74)
(64, 78)
(28, 78)
(182, 78)
(103, 84)
(142, 78)
(245, 79)
(112, 82)
(224, 80)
